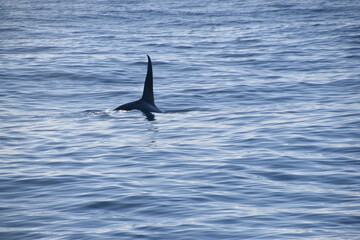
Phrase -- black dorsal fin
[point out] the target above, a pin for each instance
(148, 93)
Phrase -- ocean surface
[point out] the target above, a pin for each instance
(260, 138)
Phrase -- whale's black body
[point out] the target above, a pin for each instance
(146, 103)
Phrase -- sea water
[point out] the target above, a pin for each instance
(259, 139)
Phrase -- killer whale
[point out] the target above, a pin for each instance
(146, 103)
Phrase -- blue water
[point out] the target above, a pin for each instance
(260, 139)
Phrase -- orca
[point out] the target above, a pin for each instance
(146, 103)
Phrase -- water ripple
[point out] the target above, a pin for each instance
(259, 139)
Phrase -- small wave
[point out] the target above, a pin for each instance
(199, 109)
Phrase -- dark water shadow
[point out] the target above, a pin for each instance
(149, 116)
